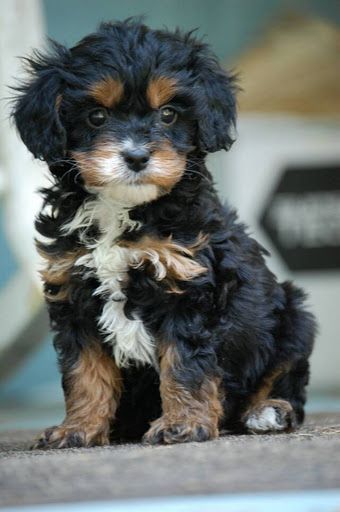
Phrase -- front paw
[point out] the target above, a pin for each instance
(65, 436)
(176, 430)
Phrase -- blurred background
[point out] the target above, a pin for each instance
(282, 174)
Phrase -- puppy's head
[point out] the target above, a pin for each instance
(126, 107)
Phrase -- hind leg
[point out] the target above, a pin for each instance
(292, 387)
(270, 416)
(277, 404)
(264, 413)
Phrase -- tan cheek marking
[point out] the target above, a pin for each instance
(89, 164)
(160, 90)
(167, 259)
(108, 92)
(168, 167)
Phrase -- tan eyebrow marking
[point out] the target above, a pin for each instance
(107, 91)
(160, 90)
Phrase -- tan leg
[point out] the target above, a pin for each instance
(187, 415)
(93, 390)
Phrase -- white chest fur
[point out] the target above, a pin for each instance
(109, 263)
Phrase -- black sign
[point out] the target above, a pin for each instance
(302, 217)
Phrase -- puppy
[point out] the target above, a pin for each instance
(167, 322)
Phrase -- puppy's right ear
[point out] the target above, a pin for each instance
(36, 108)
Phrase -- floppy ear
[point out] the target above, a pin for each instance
(216, 106)
(36, 108)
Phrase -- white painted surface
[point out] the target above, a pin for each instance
(21, 30)
(303, 501)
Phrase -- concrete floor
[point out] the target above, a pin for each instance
(305, 460)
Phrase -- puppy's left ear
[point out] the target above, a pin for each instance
(35, 110)
(216, 106)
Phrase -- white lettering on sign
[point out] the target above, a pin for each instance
(306, 220)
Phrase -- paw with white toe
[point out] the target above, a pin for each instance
(270, 416)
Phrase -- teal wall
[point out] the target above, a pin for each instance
(230, 26)
(8, 265)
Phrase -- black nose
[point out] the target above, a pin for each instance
(136, 159)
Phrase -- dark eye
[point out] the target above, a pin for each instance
(97, 117)
(168, 115)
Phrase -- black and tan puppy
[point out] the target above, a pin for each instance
(163, 308)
